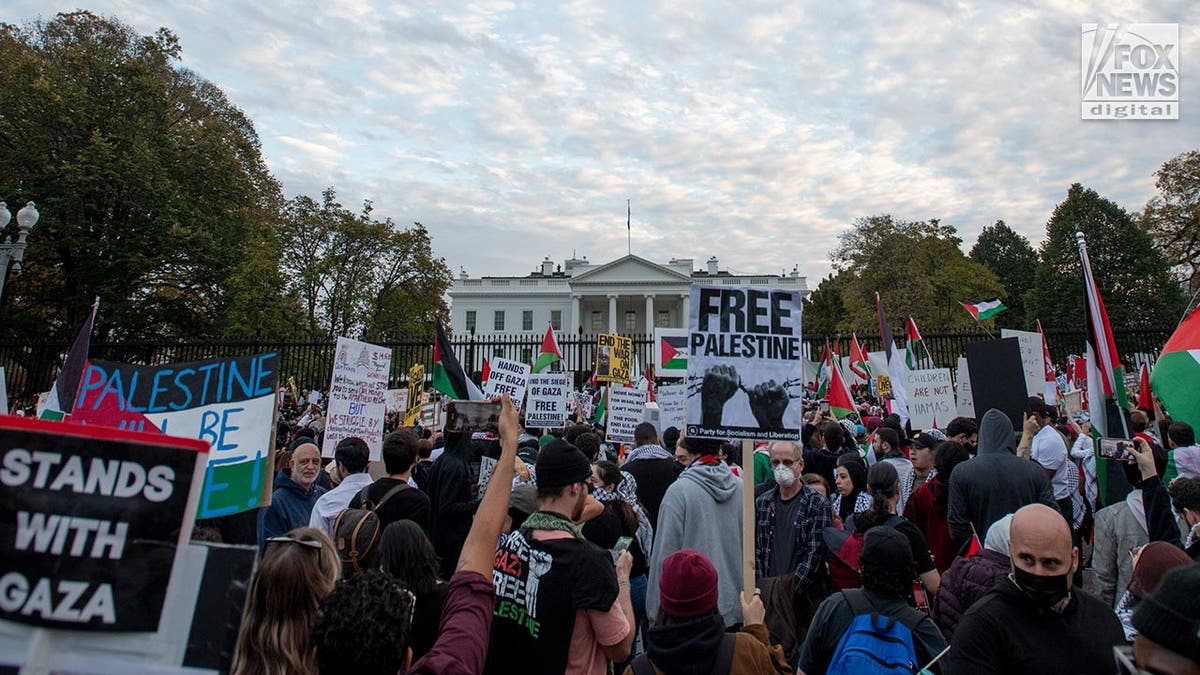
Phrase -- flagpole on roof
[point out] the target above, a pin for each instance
(628, 228)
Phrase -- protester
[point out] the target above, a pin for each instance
(702, 511)
(352, 457)
(295, 494)
(789, 553)
(653, 467)
(887, 449)
(762, 463)
(994, 483)
(408, 556)
(884, 485)
(1046, 447)
(822, 458)
(819, 484)
(561, 607)
(1035, 620)
(1185, 454)
(1150, 563)
(1185, 499)
(851, 496)
(622, 516)
(1121, 528)
(965, 432)
(1083, 451)
(451, 500)
(970, 578)
(887, 573)
(1166, 620)
(364, 627)
(420, 472)
(927, 507)
(392, 497)
(921, 456)
(691, 637)
(294, 575)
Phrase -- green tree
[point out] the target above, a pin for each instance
(355, 275)
(824, 308)
(151, 185)
(1133, 276)
(918, 269)
(1173, 216)
(1010, 257)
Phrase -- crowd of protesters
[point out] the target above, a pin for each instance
(975, 548)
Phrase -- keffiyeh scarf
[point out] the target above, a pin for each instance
(626, 491)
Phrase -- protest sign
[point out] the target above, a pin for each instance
(998, 378)
(586, 405)
(965, 402)
(430, 416)
(547, 404)
(1032, 359)
(3, 393)
(1073, 401)
(670, 352)
(95, 518)
(357, 395)
(671, 399)
(930, 398)
(614, 358)
(416, 386)
(507, 377)
(396, 401)
(625, 412)
(228, 402)
(744, 361)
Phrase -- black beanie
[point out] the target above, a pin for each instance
(560, 463)
(884, 548)
(1170, 615)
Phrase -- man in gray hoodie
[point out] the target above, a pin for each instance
(702, 510)
(995, 483)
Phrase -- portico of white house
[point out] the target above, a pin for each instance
(627, 296)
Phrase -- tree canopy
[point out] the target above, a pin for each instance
(1010, 257)
(1172, 217)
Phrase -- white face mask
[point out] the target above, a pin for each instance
(784, 476)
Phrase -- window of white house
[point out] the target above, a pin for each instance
(556, 319)
(630, 322)
(470, 321)
(597, 322)
(663, 320)
(527, 319)
(499, 325)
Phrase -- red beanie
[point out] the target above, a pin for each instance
(688, 587)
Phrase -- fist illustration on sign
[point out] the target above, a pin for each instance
(720, 384)
(768, 401)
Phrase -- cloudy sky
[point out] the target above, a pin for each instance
(751, 131)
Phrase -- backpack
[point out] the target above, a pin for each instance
(874, 643)
(356, 531)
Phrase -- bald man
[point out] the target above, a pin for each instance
(296, 491)
(1035, 621)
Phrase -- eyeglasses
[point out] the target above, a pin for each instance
(311, 543)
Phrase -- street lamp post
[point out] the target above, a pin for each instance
(12, 248)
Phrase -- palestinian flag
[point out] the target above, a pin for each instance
(1106, 378)
(912, 339)
(1051, 374)
(859, 364)
(841, 403)
(898, 402)
(981, 311)
(821, 384)
(601, 407)
(674, 352)
(487, 372)
(550, 353)
(60, 400)
(448, 375)
(1176, 376)
(1145, 399)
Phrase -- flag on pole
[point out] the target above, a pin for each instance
(1145, 399)
(822, 382)
(984, 310)
(448, 375)
(896, 368)
(601, 406)
(1176, 376)
(859, 365)
(487, 372)
(1048, 366)
(549, 354)
(60, 400)
(841, 403)
(912, 339)
(1106, 379)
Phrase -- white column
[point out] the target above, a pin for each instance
(612, 314)
(685, 310)
(576, 320)
(649, 314)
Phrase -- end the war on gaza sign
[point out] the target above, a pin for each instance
(91, 520)
(230, 403)
(744, 361)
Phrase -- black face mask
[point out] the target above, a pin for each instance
(1044, 592)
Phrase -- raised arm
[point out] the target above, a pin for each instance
(479, 551)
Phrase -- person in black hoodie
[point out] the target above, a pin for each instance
(451, 500)
(652, 467)
(995, 483)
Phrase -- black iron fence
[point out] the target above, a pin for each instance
(31, 366)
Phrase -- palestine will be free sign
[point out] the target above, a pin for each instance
(90, 523)
(744, 361)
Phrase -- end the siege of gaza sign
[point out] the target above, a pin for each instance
(91, 519)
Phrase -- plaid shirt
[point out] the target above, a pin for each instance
(808, 560)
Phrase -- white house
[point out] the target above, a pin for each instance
(630, 295)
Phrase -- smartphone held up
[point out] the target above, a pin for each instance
(472, 416)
